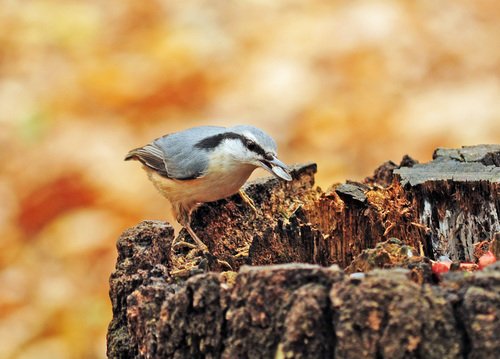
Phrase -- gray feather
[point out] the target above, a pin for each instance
(185, 155)
(150, 156)
(181, 161)
(262, 138)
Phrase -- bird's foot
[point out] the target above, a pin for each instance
(199, 243)
(198, 249)
(244, 196)
(214, 263)
(223, 264)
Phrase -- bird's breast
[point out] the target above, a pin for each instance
(219, 182)
(218, 185)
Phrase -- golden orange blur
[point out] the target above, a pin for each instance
(346, 84)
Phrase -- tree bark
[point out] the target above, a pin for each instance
(296, 290)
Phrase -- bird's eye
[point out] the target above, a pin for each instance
(252, 146)
(268, 156)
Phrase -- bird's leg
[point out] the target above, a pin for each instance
(248, 200)
(184, 218)
(202, 246)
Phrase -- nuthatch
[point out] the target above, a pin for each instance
(205, 164)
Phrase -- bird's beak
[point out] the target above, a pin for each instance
(277, 168)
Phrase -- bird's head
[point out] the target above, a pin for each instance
(255, 147)
(245, 145)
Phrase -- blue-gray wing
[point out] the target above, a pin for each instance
(175, 155)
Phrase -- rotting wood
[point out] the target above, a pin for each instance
(174, 304)
(457, 196)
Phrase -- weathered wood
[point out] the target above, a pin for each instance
(143, 256)
(178, 304)
(304, 311)
(386, 316)
(457, 197)
(237, 226)
(264, 299)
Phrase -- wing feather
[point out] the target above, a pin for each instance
(175, 155)
(150, 156)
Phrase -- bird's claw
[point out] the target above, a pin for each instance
(215, 263)
(224, 264)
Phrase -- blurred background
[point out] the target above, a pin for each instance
(346, 84)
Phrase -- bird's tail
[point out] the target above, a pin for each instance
(150, 156)
(133, 154)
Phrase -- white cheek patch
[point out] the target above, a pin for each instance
(280, 172)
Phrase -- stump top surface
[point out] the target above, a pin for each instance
(466, 164)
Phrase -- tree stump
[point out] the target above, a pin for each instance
(344, 273)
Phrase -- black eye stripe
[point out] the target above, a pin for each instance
(254, 147)
(212, 142)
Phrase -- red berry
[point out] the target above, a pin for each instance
(440, 267)
(486, 259)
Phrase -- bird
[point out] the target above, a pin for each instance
(206, 163)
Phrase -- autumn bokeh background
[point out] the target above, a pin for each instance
(347, 84)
